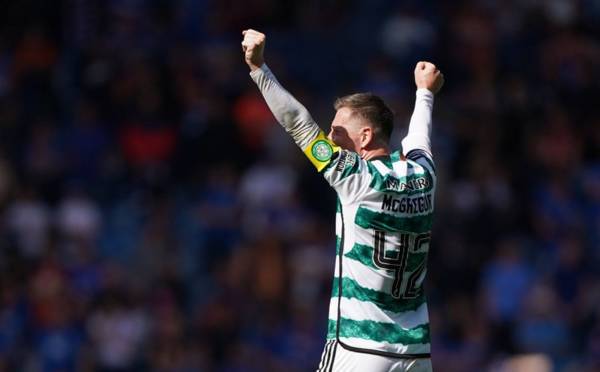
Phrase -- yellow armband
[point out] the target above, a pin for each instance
(320, 151)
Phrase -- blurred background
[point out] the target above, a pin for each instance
(154, 217)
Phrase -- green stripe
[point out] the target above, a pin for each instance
(381, 332)
(415, 260)
(368, 219)
(372, 170)
(364, 254)
(385, 301)
(331, 324)
(395, 156)
(338, 245)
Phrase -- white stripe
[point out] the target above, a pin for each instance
(365, 237)
(361, 310)
(381, 168)
(366, 277)
(400, 168)
(353, 186)
(385, 346)
(326, 355)
(424, 164)
(338, 224)
(333, 356)
(349, 214)
(330, 356)
(323, 356)
(372, 203)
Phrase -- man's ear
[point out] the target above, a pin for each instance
(366, 136)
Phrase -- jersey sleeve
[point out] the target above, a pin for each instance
(419, 129)
(348, 175)
(291, 114)
(424, 159)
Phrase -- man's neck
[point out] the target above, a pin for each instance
(370, 154)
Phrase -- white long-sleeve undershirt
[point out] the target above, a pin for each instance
(419, 129)
(290, 113)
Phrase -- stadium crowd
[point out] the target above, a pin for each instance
(154, 217)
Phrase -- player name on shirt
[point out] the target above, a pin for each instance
(415, 204)
(419, 183)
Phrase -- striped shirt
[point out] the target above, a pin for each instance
(383, 227)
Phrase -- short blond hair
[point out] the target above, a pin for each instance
(373, 109)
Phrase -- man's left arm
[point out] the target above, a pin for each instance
(429, 81)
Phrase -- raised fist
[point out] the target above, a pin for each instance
(253, 46)
(428, 76)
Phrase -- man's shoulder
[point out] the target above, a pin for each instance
(422, 158)
(345, 160)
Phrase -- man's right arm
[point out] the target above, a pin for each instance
(290, 113)
(337, 165)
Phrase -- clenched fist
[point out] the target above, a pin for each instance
(429, 77)
(253, 46)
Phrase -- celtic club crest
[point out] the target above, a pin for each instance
(322, 150)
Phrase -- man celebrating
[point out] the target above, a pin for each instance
(378, 318)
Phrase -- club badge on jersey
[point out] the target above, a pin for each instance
(320, 151)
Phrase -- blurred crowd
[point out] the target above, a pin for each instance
(154, 217)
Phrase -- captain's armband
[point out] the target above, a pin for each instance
(320, 151)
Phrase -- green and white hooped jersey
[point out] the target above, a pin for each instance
(383, 224)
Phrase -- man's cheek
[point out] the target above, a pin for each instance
(346, 145)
